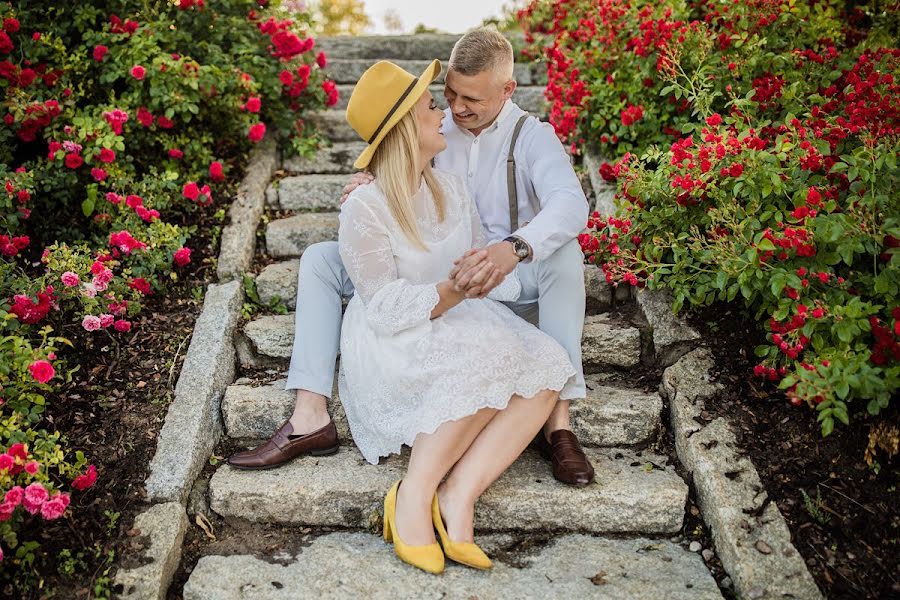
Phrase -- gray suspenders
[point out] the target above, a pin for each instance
(511, 190)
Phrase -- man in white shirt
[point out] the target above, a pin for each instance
(532, 224)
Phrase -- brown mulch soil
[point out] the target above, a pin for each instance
(849, 530)
(112, 410)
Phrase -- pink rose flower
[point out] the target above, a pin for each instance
(6, 511)
(15, 495)
(42, 370)
(53, 509)
(35, 496)
(138, 72)
(182, 257)
(122, 325)
(33, 467)
(215, 171)
(91, 323)
(6, 462)
(70, 279)
(106, 320)
(257, 132)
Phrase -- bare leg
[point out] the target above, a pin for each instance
(493, 450)
(559, 418)
(310, 412)
(432, 456)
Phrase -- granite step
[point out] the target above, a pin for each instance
(307, 193)
(280, 279)
(358, 565)
(528, 97)
(349, 70)
(331, 160)
(332, 125)
(291, 236)
(268, 340)
(633, 493)
(610, 416)
(390, 47)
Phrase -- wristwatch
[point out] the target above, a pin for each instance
(520, 247)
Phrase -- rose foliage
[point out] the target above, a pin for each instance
(120, 123)
(756, 148)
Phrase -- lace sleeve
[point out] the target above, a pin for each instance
(392, 304)
(510, 288)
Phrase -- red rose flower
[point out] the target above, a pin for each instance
(73, 161)
(99, 52)
(138, 72)
(257, 132)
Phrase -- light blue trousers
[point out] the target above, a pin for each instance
(552, 299)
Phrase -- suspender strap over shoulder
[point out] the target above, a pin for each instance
(511, 176)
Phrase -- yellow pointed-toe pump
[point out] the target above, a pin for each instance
(466, 553)
(428, 557)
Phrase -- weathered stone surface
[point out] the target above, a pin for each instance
(238, 242)
(335, 159)
(357, 565)
(731, 496)
(279, 280)
(272, 335)
(672, 336)
(614, 416)
(608, 343)
(304, 193)
(349, 70)
(530, 98)
(608, 417)
(255, 412)
(343, 490)
(687, 385)
(390, 47)
(192, 423)
(332, 125)
(604, 342)
(291, 236)
(163, 527)
(604, 192)
(596, 289)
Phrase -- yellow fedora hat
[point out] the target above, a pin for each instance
(381, 97)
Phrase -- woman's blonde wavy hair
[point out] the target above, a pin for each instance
(394, 166)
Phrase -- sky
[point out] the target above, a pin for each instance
(453, 16)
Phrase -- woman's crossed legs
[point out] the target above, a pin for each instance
(472, 452)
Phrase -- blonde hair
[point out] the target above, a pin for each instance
(394, 166)
(482, 50)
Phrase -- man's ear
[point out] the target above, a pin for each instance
(508, 88)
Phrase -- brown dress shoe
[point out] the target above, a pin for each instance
(283, 446)
(570, 465)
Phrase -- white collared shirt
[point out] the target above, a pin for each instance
(544, 178)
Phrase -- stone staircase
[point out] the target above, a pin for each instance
(606, 540)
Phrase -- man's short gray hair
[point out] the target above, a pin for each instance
(481, 50)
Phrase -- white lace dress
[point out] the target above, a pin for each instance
(403, 373)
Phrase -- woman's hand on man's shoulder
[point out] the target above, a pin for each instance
(357, 179)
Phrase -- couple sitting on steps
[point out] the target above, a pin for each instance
(450, 269)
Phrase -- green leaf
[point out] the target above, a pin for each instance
(766, 244)
(827, 426)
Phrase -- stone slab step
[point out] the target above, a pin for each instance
(608, 417)
(291, 236)
(335, 159)
(332, 125)
(280, 279)
(632, 494)
(307, 193)
(604, 342)
(344, 70)
(528, 97)
(360, 565)
(390, 47)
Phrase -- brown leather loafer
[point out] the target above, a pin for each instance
(283, 446)
(570, 464)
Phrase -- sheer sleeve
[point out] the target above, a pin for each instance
(510, 288)
(392, 304)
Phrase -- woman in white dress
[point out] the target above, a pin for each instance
(462, 380)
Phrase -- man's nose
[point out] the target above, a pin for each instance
(457, 105)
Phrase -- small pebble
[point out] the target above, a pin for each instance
(707, 554)
(695, 546)
(726, 582)
(675, 539)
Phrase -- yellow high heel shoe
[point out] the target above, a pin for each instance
(428, 557)
(466, 553)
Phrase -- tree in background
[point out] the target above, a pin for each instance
(340, 17)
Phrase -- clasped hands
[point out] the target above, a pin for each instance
(475, 273)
